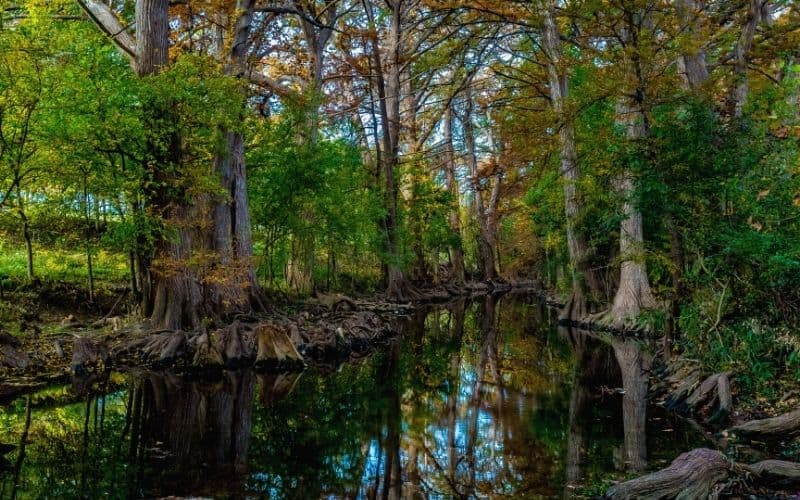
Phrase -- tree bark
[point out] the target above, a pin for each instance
(692, 64)
(387, 80)
(741, 86)
(633, 292)
(692, 475)
(26, 235)
(583, 278)
(483, 211)
(454, 217)
(781, 426)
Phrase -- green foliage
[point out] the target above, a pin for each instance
(312, 190)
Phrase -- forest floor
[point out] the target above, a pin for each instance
(51, 331)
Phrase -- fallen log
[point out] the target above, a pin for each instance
(694, 474)
(334, 301)
(783, 425)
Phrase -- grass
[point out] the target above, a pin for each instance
(62, 265)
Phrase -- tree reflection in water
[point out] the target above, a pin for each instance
(477, 399)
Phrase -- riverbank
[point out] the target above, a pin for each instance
(326, 329)
(751, 449)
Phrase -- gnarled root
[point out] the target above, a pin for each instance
(165, 347)
(575, 308)
(781, 426)
(236, 345)
(694, 474)
(275, 348)
(205, 354)
(88, 356)
(776, 472)
(705, 473)
(689, 392)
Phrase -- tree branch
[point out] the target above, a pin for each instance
(107, 21)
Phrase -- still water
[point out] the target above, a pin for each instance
(482, 399)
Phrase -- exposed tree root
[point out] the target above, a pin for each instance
(205, 354)
(686, 390)
(89, 356)
(10, 356)
(776, 472)
(781, 426)
(275, 348)
(694, 474)
(603, 321)
(236, 344)
(575, 308)
(705, 473)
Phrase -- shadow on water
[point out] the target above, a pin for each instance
(478, 399)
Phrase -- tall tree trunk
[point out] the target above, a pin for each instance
(694, 70)
(633, 292)
(26, 235)
(482, 213)
(692, 64)
(741, 60)
(177, 296)
(132, 268)
(583, 277)
(302, 259)
(299, 272)
(454, 217)
(182, 296)
(87, 236)
(387, 78)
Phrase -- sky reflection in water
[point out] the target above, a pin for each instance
(485, 399)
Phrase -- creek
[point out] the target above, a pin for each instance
(474, 399)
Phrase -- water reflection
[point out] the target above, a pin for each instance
(595, 370)
(481, 399)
